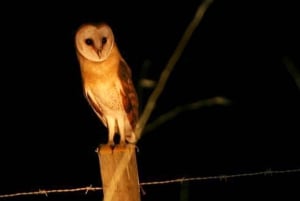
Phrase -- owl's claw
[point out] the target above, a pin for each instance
(111, 145)
(122, 142)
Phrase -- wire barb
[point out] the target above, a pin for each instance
(88, 188)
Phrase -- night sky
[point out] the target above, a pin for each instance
(239, 51)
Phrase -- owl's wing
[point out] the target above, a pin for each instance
(129, 95)
(97, 109)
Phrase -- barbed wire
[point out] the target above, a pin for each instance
(223, 177)
(178, 180)
(46, 192)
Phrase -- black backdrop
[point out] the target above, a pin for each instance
(239, 51)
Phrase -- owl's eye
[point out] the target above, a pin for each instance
(89, 41)
(104, 40)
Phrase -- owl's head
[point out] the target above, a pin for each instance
(94, 42)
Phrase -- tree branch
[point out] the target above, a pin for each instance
(183, 108)
(170, 66)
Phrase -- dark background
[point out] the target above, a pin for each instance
(239, 51)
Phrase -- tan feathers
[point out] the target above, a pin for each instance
(107, 81)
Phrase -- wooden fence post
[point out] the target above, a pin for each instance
(127, 188)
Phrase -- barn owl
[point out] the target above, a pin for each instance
(107, 82)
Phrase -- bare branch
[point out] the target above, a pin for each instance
(183, 108)
(294, 72)
(170, 66)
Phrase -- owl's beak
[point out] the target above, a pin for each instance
(98, 53)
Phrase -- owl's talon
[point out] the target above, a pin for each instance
(123, 143)
(112, 145)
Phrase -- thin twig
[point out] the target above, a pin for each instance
(170, 66)
(182, 108)
(294, 72)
